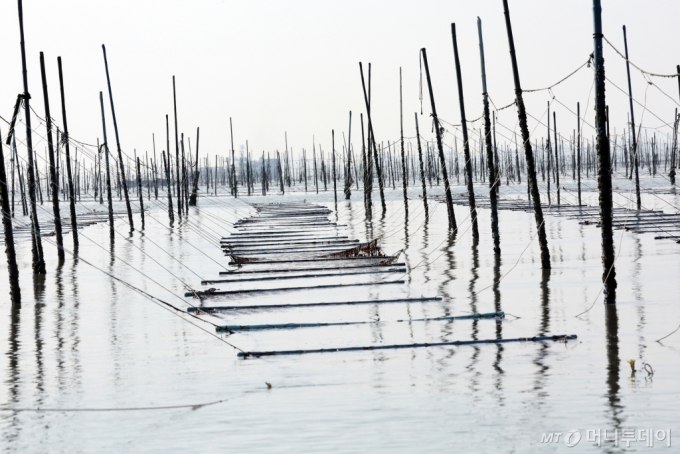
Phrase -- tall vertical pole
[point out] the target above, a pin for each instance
(363, 157)
(494, 180)
(578, 151)
(67, 149)
(108, 172)
(557, 160)
(548, 153)
(371, 134)
(278, 158)
(54, 191)
(171, 213)
(604, 178)
(632, 125)
(194, 190)
(348, 173)
(438, 128)
(14, 289)
(404, 177)
(526, 139)
(120, 153)
(335, 186)
(36, 241)
(422, 170)
(140, 193)
(466, 143)
(178, 167)
(234, 189)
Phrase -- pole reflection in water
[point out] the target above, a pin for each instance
(447, 327)
(13, 429)
(59, 327)
(613, 366)
(39, 295)
(474, 276)
(543, 328)
(498, 377)
(75, 317)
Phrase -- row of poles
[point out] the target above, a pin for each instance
(182, 174)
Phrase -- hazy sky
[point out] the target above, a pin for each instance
(276, 66)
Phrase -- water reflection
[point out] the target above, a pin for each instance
(59, 326)
(447, 328)
(474, 276)
(75, 316)
(498, 376)
(406, 249)
(543, 328)
(613, 366)
(39, 295)
(14, 377)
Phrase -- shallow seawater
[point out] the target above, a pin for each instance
(83, 339)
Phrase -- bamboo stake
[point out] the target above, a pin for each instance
(108, 173)
(404, 177)
(36, 241)
(437, 125)
(466, 143)
(120, 153)
(604, 179)
(493, 179)
(166, 163)
(52, 172)
(140, 193)
(578, 151)
(422, 170)
(14, 289)
(194, 193)
(632, 126)
(557, 161)
(529, 155)
(371, 135)
(348, 174)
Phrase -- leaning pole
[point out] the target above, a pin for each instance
(604, 178)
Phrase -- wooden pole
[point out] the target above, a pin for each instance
(14, 289)
(529, 155)
(194, 192)
(578, 151)
(604, 178)
(466, 143)
(557, 161)
(548, 154)
(348, 174)
(493, 178)
(108, 172)
(54, 191)
(177, 163)
(120, 153)
(140, 192)
(234, 189)
(335, 186)
(166, 162)
(404, 177)
(437, 125)
(422, 170)
(371, 135)
(36, 241)
(632, 126)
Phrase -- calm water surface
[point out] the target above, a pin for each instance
(85, 340)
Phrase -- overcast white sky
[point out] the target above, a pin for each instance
(292, 66)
